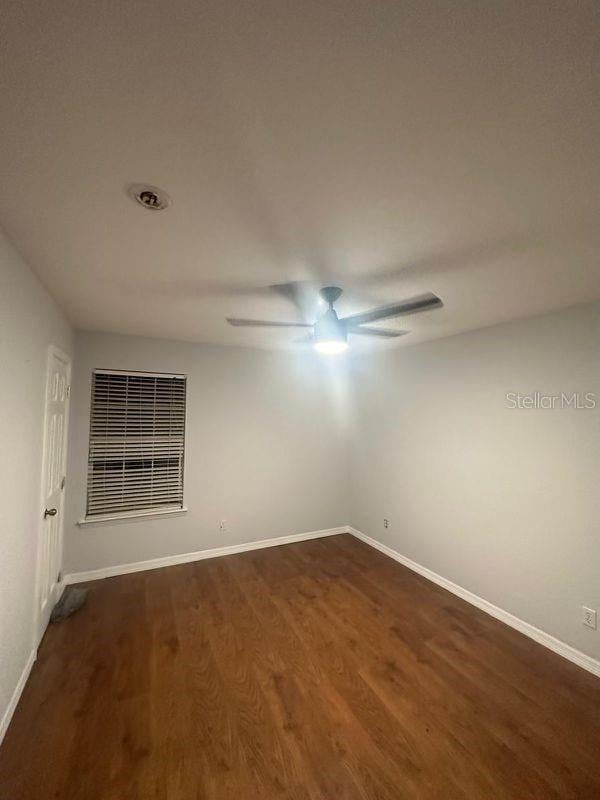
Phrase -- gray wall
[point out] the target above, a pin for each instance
(29, 322)
(504, 502)
(264, 450)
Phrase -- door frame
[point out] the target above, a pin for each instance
(52, 352)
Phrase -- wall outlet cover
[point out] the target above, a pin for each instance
(589, 617)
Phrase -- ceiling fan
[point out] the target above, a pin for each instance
(330, 333)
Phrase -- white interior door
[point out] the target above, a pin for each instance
(53, 483)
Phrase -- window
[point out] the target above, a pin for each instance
(137, 435)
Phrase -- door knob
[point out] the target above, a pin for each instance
(50, 512)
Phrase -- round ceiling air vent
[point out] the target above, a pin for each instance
(149, 197)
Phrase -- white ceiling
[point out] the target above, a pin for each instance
(391, 148)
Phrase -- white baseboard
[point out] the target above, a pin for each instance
(16, 695)
(185, 558)
(562, 648)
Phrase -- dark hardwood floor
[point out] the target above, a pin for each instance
(315, 670)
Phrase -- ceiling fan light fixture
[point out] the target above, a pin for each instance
(331, 347)
(331, 337)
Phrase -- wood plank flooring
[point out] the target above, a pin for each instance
(313, 671)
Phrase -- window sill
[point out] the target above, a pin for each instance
(133, 517)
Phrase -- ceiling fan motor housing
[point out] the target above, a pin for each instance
(330, 294)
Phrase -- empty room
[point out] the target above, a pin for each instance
(300, 400)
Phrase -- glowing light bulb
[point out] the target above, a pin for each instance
(331, 347)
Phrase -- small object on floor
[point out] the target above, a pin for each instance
(70, 602)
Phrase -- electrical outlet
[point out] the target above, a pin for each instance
(386, 523)
(222, 526)
(589, 617)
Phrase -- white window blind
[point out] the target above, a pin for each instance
(137, 438)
